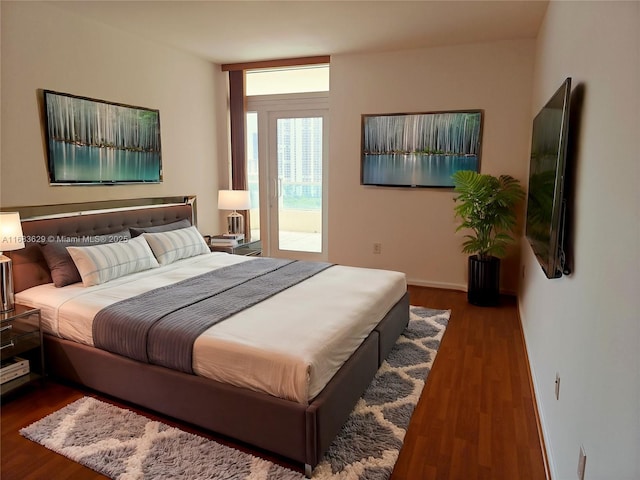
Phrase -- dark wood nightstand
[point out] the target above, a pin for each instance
(20, 343)
(251, 248)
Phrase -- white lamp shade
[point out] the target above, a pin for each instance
(10, 231)
(234, 200)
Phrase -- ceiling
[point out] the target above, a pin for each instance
(245, 31)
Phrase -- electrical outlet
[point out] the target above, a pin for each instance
(557, 386)
(377, 248)
(582, 463)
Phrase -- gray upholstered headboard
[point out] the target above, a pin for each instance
(29, 266)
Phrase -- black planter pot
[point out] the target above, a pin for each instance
(484, 281)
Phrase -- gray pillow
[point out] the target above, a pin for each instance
(184, 223)
(63, 270)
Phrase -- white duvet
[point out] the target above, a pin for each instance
(289, 345)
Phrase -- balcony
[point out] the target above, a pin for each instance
(300, 230)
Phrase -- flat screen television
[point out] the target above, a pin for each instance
(95, 142)
(546, 202)
(419, 149)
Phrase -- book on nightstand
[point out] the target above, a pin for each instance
(222, 241)
(233, 236)
(13, 368)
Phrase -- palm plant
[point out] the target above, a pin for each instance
(486, 206)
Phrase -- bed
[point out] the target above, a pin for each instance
(315, 379)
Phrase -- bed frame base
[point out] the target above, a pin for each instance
(298, 432)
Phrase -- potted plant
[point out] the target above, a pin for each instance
(486, 206)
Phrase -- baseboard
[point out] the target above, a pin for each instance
(427, 283)
(536, 410)
(450, 286)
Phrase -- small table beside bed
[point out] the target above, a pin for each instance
(270, 352)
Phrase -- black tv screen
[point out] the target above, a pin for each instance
(546, 202)
(97, 142)
(419, 149)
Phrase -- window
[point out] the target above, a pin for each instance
(285, 80)
(286, 142)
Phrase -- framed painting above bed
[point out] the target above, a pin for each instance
(96, 142)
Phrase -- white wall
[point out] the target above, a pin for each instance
(586, 326)
(416, 226)
(44, 47)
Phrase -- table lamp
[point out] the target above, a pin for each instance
(10, 239)
(234, 200)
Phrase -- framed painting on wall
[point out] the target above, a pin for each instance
(419, 149)
(97, 142)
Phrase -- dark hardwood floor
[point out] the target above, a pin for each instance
(476, 416)
(475, 419)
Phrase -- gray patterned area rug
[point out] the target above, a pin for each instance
(125, 446)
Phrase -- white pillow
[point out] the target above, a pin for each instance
(100, 263)
(176, 244)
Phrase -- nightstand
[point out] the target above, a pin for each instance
(251, 248)
(20, 345)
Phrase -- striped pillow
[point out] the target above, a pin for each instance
(101, 263)
(176, 244)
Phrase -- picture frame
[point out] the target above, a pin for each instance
(96, 142)
(419, 149)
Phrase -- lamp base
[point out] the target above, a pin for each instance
(6, 284)
(235, 223)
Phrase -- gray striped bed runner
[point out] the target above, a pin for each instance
(160, 326)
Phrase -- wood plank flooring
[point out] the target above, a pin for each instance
(475, 419)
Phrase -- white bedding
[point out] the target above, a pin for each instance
(289, 346)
